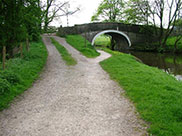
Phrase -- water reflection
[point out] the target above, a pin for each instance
(170, 63)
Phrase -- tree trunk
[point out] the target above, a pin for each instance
(175, 46)
(45, 28)
(85, 40)
(45, 25)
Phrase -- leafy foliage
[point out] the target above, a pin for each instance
(10, 76)
(19, 20)
(4, 86)
(136, 12)
(109, 11)
(21, 73)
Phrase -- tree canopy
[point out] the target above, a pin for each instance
(136, 12)
(109, 11)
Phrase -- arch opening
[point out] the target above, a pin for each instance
(111, 32)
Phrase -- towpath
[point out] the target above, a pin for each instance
(76, 100)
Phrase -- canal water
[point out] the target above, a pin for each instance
(170, 63)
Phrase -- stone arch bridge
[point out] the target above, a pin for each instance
(124, 36)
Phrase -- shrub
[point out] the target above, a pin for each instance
(20, 73)
(11, 77)
(4, 86)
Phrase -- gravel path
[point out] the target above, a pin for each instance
(76, 100)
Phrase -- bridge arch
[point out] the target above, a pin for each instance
(112, 31)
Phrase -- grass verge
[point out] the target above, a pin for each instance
(77, 41)
(64, 53)
(21, 73)
(156, 95)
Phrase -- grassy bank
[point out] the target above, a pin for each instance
(64, 53)
(21, 73)
(103, 40)
(156, 95)
(78, 42)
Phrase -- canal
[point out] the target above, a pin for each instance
(170, 63)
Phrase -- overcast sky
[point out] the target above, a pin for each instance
(87, 9)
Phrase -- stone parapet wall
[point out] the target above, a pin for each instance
(79, 29)
(138, 34)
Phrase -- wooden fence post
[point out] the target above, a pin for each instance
(21, 50)
(4, 56)
(85, 39)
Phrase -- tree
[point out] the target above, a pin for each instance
(178, 31)
(136, 12)
(167, 12)
(67, 12)
(14, 25)
(11, 26)
(162, 14)
(32, 19)
(50, 10)
(53, 9)
(109, 11)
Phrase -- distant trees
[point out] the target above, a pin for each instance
(109, 11)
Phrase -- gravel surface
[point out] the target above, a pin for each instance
(76, 100)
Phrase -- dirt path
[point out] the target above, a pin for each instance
(79, 100)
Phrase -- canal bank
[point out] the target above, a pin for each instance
(156, 95)
(169, 62)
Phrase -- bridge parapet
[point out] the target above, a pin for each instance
(137, 34)
(79, 29)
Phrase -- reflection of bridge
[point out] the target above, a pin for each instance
(123, 35)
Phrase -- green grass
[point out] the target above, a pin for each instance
(102, 41)
(156, 95)
(21, 73)
(64, 53)
(78, 42)
(171, 41)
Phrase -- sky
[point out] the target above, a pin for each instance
(87, 9)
